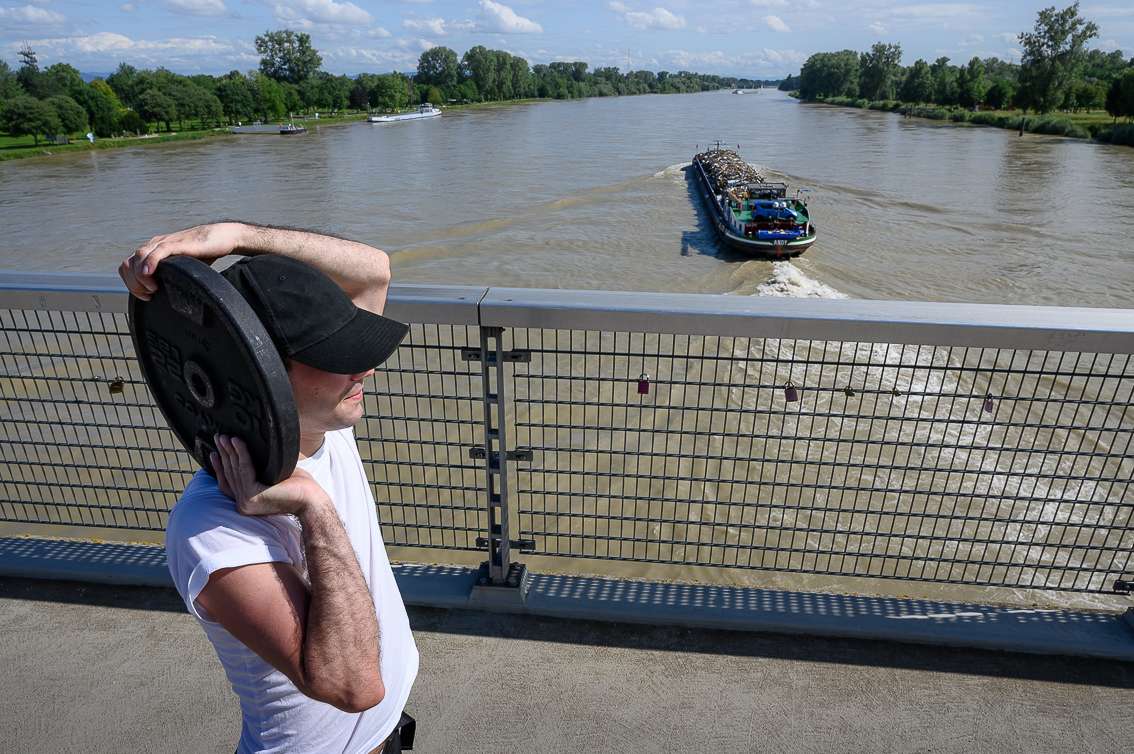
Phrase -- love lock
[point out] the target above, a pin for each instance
(212, 368)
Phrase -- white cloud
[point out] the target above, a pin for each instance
(127, 7)
(877, 27)
(500, 18)
(198, 7)
(935, 11)
(431, 25)
(769, 3)
(658, 18)
(972, 40)
(775, 23)
(1107, 11)
(394, 60)
(29, 14)
(181, 53)
(760, 62)
(308, 13)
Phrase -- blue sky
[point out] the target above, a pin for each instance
(758, 38)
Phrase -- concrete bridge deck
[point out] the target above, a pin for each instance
(102, 668)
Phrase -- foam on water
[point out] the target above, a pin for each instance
(788, 281)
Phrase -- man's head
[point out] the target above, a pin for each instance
(330, 344)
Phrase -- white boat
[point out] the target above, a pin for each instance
(425, 111)
(284, 129)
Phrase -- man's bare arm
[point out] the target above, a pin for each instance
(362, 271)
(325, 637)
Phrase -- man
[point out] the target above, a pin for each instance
(291, 583)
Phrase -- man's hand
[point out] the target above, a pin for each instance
(205, 242)
(236, 478)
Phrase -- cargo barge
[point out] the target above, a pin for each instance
(752, 215)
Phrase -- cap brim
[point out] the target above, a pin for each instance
(363, 343)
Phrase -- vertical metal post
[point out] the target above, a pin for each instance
(495, 457)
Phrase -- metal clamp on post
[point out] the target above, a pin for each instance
(500, 583)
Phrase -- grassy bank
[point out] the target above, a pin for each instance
(1085, 125)
(17, 147)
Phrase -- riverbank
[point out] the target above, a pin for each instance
(1095, 125)
(15, 148)
(20, 147)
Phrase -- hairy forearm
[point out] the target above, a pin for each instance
(341, 642)
(361, 270)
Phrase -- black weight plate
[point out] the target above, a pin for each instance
(213, 369)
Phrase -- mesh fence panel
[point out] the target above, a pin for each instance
(82, 443)
(961, 465)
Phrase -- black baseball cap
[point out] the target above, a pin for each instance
(310, 318)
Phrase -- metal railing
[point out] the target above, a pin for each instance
(962, 444)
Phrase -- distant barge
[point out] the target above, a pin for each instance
(284, 129)
(425, 111)
(752, 215)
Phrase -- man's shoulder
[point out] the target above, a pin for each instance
(202, 507)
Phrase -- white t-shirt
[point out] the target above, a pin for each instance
(206, 533)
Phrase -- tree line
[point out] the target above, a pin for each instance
(56, 100)
(1055, 72)
(484, 75)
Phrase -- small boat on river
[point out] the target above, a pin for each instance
(283, 129)
(751, 214)
(425, 111)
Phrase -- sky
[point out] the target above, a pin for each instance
(748, 38)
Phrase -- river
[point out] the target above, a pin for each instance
(592, 194)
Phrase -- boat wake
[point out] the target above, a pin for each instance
(675, 172)
(786, 281)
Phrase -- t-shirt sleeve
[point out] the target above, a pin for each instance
(206, 533)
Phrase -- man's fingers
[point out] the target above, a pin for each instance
(244, 458)
(218, 469)
(130, 278)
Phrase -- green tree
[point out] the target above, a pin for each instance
(127, 84)
(1054, 53)
(235, 95)
(945, 89)
(29, 76)
(438, 66)
(9, 85)
(1000, 94)
(388, 92)
(878, 71)
(918, 83)
(105, 89)
(267, 97)
(1120, 96)
(72, 117)
(479, 66)
(972, 84)
(1084, 95)
(102, 107)
(1104, 66)
(132, 123)
(61, 78)
(824, 74)
(287, 55)
(27, 116)
(155, 107)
